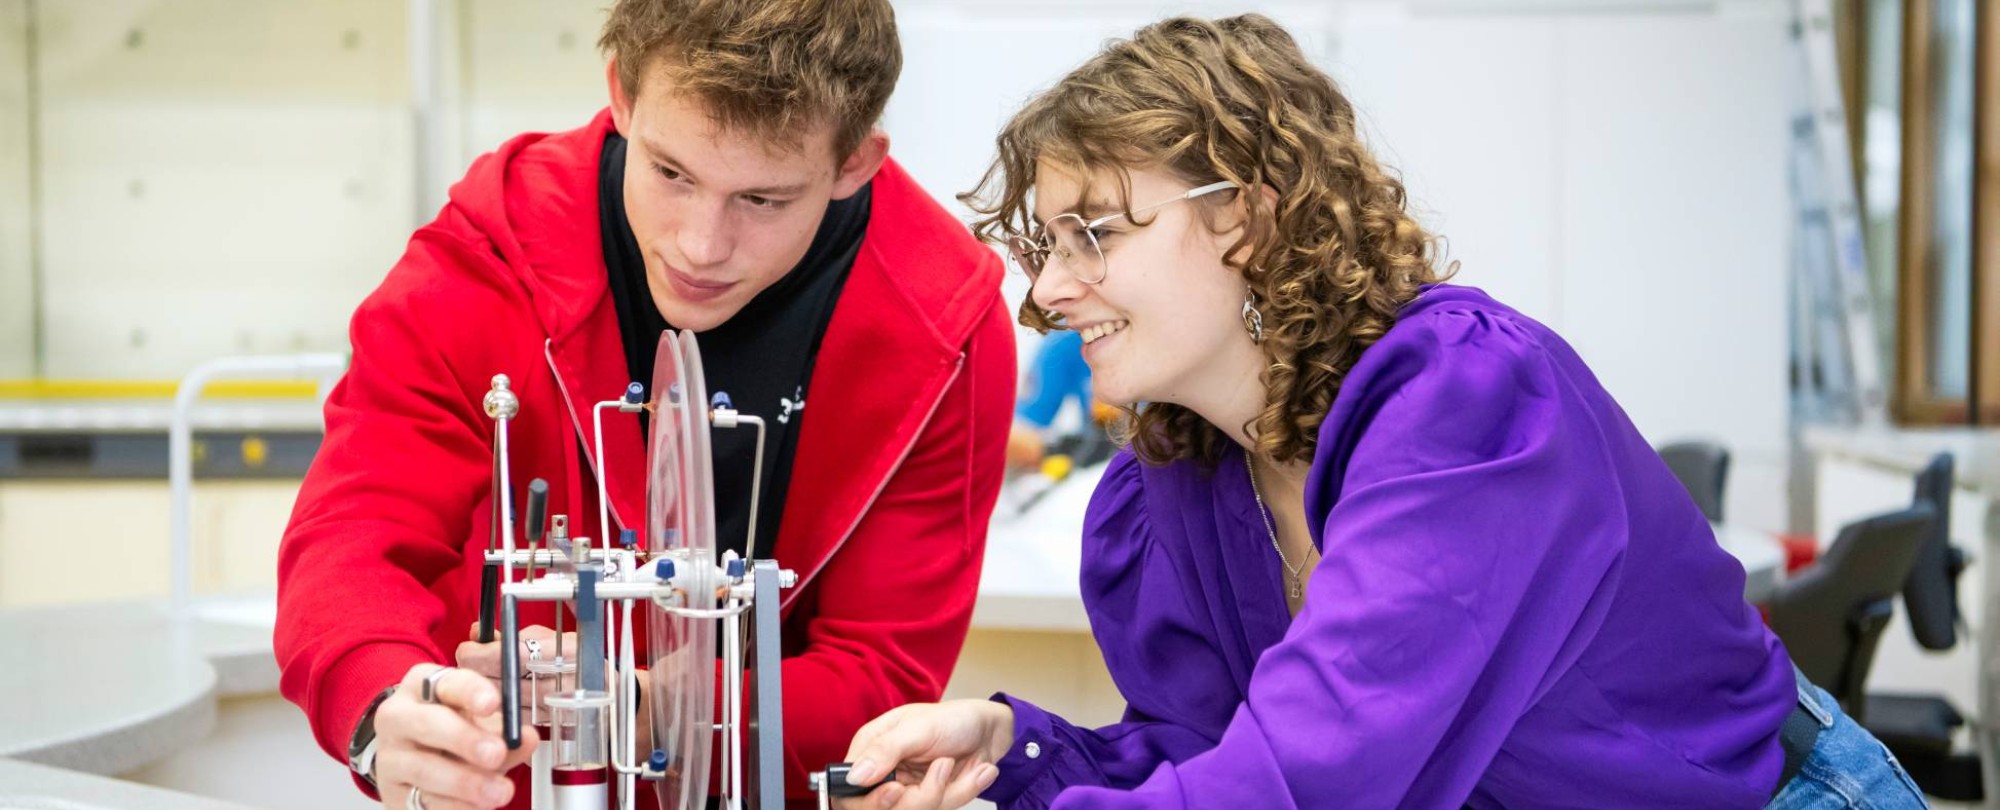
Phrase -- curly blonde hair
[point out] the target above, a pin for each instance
(1329, 264)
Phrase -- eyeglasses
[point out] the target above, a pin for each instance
(1073, 241)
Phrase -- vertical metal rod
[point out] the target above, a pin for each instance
(625, 718)
(506, 486)
(597, 466)
(732, 720)
(756, 490)
(628, 782)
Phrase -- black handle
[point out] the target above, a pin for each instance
(510, 675)
(836, 786)
(538, 509)
(489, 599)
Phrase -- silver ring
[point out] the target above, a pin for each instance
(415, 801)
(429, 693)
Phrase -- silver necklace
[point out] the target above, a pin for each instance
(1297, 587)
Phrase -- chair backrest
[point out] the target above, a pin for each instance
(1702, 467)
(1831, 614)
(1931, 592)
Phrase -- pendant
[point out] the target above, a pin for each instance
(1296, 589)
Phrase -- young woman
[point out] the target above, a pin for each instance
(1377, 541)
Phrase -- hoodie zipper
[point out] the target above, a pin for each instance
(582, 437)
(957, 368)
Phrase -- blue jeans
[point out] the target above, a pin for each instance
(1848, 767)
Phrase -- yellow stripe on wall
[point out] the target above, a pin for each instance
(153, 389)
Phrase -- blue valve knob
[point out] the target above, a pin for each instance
(664, 569)
(658, 762)
(635, 393)
(736, 568)
(628, 538)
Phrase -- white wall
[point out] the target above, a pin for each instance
(226, 176)
(529, 65)
(1615, 171)
(17, 301)
(221, 177)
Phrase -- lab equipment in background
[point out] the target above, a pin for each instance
(1040, 454)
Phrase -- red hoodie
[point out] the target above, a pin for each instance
(893, 481)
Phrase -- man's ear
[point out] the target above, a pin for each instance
(861, 164)
(621, 105)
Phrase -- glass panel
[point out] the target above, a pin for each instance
(1882, 163)
(1949, 261)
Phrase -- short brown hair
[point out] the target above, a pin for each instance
(1235, 99)
(767, 68)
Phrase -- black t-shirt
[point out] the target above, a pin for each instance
(760, 361)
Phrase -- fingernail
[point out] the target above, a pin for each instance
(987, 773)
(489, 751)
(496, 792)
(862, 773)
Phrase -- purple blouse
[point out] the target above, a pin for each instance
(1517, 605)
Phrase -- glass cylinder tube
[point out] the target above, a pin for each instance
(581, 749)
(545, 678)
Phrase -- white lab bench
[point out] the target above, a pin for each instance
(1033, 561)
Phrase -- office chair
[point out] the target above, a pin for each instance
(1918, 728)
(1702, 467)
(1831, 614)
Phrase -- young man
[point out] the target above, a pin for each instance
(736, 187)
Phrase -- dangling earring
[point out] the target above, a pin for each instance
(1253, 320)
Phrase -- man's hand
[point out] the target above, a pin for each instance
(941, 754)
(450, 749)
(485, 660)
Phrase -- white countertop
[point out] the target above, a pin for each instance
(26, 786)
(107, 688)
(1975, 451)
(1033, 561)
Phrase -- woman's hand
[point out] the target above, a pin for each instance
(941, 754)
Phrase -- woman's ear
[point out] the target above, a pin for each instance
(1236, 218)
(1238, 210)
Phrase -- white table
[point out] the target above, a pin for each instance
(1762, 557)
(107, 688)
